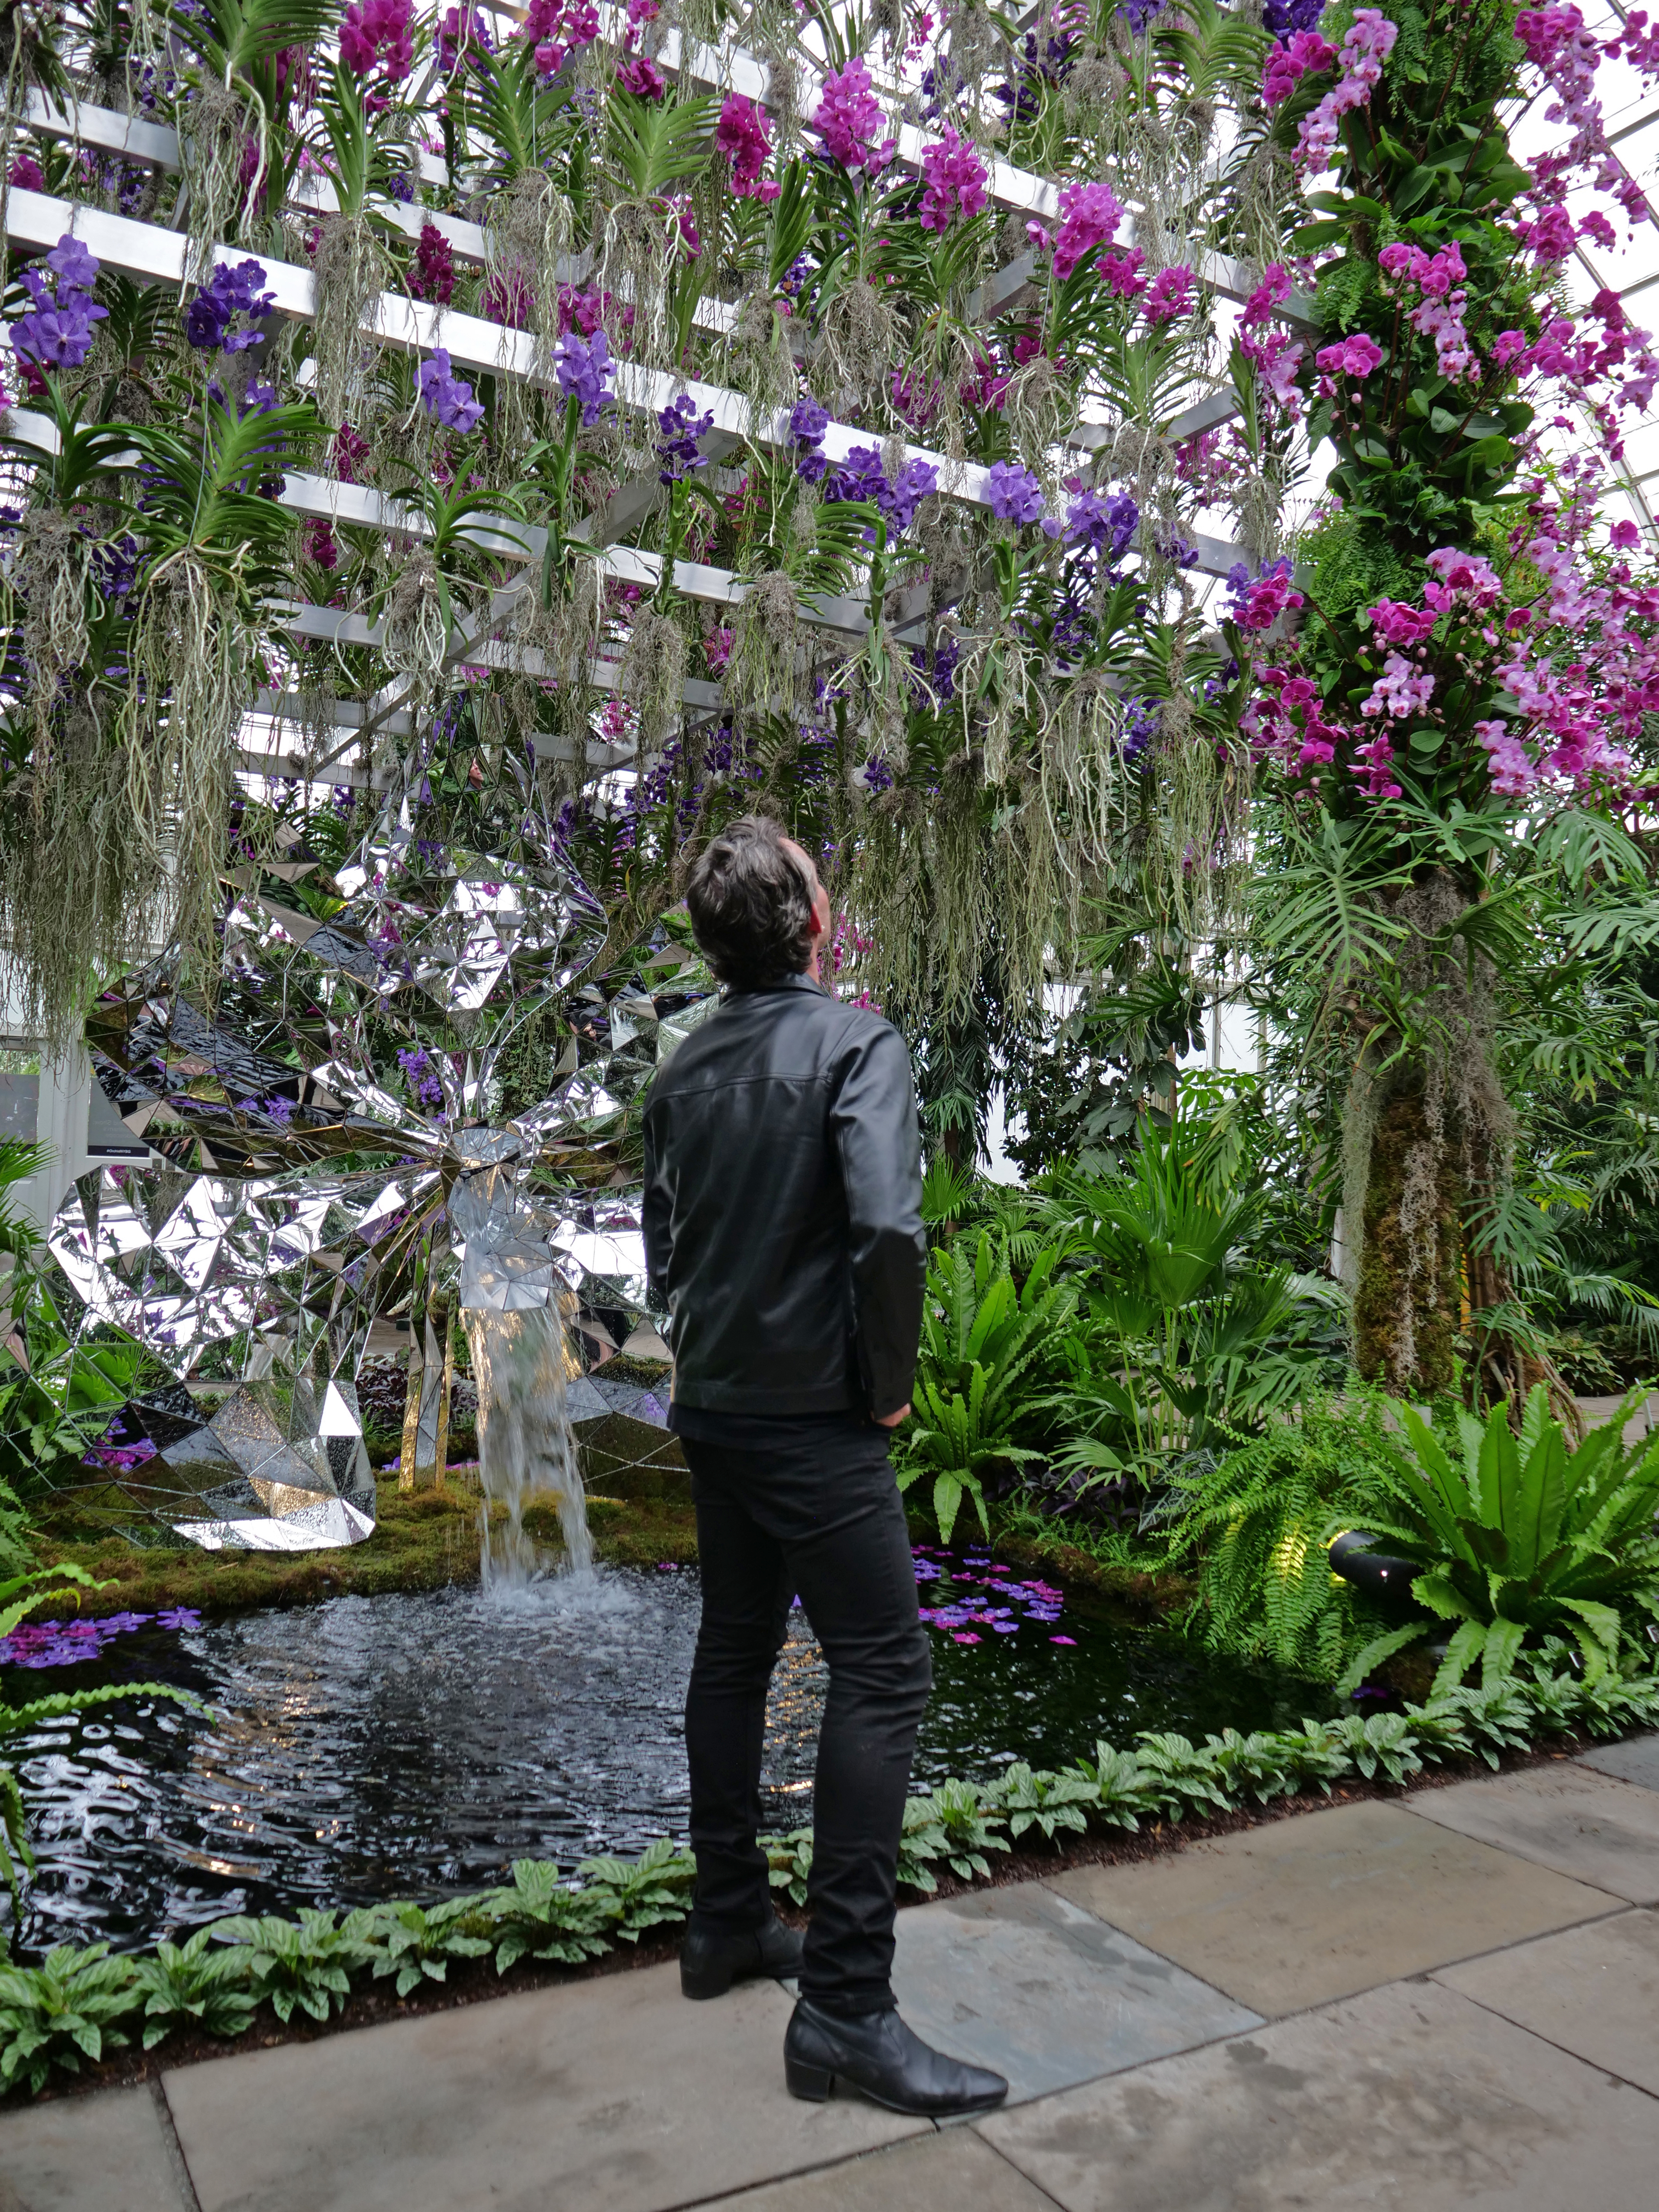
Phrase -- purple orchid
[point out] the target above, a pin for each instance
(57, 331)
(584, 373)
(682, 429)
(447, 398)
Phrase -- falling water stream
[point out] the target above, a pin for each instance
(527, 1446)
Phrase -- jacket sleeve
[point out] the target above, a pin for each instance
(657, 1208)
(872, 1120)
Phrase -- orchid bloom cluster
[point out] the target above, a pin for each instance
(1562, 725)
(1437, 280)
(741, 135)
(679, 448)
(1089, 217)
(1275, 354)
(56, 332)
(1286, 65)
(227, 295)
(446, 398)
(861, 476)
(586, 373)
(1366, 46)
(1016, 495)
(555, 29)
(372, 31)
(955, 182)
(847, 120)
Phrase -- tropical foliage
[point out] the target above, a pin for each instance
(1519, 1535)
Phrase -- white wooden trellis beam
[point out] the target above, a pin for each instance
(325, 499)
(156, 146)
(339, 626)
(492, 348)
(143, 249)
(731, 67)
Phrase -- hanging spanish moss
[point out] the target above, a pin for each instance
(415, 640)
(351, 271)
(192, 659)
(218, 131)
(653, 675)
(761, 672)
(83, 885)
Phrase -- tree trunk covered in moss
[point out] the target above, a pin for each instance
(1427, 1139)
(1407, 1309)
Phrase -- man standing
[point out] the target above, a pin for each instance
(783, 1232)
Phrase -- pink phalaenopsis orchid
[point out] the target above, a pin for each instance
(1285, 66)
(1367, 45)
(1395, 623)
(1356, 356)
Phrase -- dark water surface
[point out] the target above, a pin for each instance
(417, 1744)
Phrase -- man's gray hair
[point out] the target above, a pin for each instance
(750, 906)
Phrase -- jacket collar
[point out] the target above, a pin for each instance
(801, 982)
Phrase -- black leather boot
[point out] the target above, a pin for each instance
(711, 1962)
(885, 2061)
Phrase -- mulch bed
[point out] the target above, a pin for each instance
(472, 1981)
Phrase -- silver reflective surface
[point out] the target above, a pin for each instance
(417, 1075)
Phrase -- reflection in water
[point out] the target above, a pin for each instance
(417, 1744)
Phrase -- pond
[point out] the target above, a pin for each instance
(417, 1744)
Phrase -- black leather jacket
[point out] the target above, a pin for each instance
(783, 1207)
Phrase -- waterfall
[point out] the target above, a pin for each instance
(526, 1441)
(513, 1302)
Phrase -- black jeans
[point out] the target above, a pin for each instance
(819, 1517)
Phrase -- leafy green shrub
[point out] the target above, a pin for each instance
(543, 1917)
(1515, 1536)
(1119, 1788)
(981, 1337)
(1258, 1524)
(1044, 1801)
(416, 1942)
(968, 1820)
(1189, 1343)
(790, 1861)
(188, 1985)
(307, 1962)
(62, 2011)
(642, 1892)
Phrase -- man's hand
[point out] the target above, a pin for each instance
(892, 1420)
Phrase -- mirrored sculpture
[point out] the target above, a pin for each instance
(416, 1079)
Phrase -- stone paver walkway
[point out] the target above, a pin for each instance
(1447, 2000)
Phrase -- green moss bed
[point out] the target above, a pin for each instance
(423, 1538)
